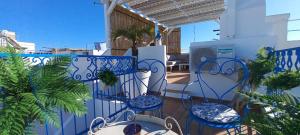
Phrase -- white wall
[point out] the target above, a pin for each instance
(245, 48)
(243, 19)
(250, 18)
(153, 52)
(30, 47)
(157, 53)
(291, 44)
(245, 25)
(277, 26)
(96, 52)
(247, 19)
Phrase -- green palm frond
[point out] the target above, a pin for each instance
(35, 93)
(133, 33)
(30, 129)
(283, 80)
(282, 119)
(262, 65)
(3, 49)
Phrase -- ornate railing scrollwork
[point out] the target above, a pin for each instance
(169, 126)
(91, 131)
(107, 121)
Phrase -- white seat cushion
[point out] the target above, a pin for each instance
(213, 112)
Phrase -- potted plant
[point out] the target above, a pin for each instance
(30, 94)
(262, 65)
(138, 84)
(277, 111)
(136, 35)
(107, 78)
(279, 114)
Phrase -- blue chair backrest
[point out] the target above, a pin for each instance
(150, 76)
(231, 68)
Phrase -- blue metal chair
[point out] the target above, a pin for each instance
(213, 113)
(143, 95)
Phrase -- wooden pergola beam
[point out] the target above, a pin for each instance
(191, 13)
(181, 21)
(167, 5)
(188, 8)
(177, 12)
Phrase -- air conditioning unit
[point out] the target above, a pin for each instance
(201, 53)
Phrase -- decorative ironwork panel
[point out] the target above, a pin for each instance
(287, 59)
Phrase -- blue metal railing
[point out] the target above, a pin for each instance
(105, 103)
(287, 59)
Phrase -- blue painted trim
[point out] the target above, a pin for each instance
(46, 127)
(284, 59)
(36, 55)
(62, 123)
(75, 124)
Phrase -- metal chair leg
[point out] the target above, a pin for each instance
(200, 129)
(238, 130)
(228, 132)
(160, 113)
(187, 126)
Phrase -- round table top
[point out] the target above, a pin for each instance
(148, 128)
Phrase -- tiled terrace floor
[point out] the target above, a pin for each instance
(173, 107)
(178, 77)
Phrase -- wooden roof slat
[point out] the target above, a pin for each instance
(177, 12)
(186, 8)
(136, 2)
(149, 4)
(192, 12)
(168, 5)
(202, 17)
(194, 20)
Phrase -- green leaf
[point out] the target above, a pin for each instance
(34, 93)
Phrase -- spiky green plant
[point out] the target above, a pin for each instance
(35, 93)
(2, 49)
(263, 64)
(282, 119)
(108, 77)
(283, 80)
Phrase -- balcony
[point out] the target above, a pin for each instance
(111, 101)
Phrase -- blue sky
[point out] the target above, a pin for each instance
(79, 23)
